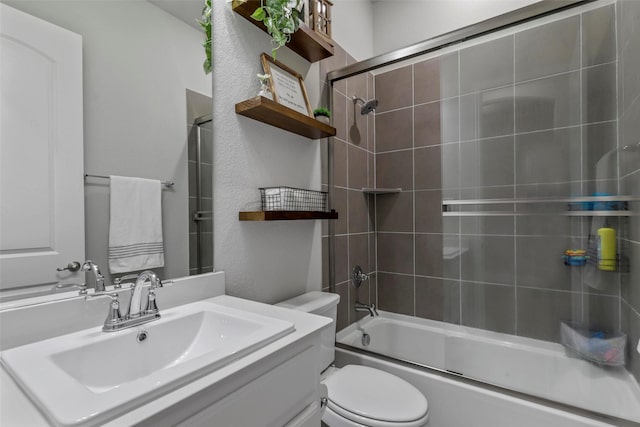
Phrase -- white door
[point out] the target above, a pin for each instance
(41, 155)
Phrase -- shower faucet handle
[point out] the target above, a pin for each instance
(358, 276)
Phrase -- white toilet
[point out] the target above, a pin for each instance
(358, 395)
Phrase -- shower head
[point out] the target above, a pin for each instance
(367, 106)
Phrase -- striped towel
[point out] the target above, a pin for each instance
(135, 225)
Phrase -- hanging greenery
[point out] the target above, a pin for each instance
(282, 19)
(205, 23)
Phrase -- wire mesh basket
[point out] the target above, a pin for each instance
(598, 347)
(292, 199)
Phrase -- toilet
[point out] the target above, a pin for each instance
(359, 396)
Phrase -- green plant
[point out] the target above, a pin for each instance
(264, 83)
(205, 23)
(282, 19)
(321, 112)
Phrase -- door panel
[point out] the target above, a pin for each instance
(41, 154)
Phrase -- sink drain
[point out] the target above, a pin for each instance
(142, 336)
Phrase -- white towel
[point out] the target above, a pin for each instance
(135, 227)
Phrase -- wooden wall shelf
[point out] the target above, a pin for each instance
(305, 42)
(285, 215)
(274, 114)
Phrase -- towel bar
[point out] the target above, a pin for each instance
(169, 184)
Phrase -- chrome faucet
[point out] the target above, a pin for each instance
(136, 308)
(93, 277)
(371, 308)
(138, 312)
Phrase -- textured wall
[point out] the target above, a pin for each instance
(263, 261)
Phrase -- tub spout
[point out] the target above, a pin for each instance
(371, 308)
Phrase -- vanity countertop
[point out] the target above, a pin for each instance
(17, 410)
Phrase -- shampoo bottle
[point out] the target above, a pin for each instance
(607, 249)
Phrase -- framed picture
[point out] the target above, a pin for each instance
(286, 85)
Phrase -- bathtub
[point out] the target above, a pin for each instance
(541, 373)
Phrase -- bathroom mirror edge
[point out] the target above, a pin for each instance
(138, 119)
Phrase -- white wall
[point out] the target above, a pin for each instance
(399, 23)
(263, 261)
(352, 27)
(138, 62)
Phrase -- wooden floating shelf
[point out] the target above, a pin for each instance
(381, 190)
(270, 112)
(305, 42)
(285, 215)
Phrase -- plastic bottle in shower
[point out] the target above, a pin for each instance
(607, 249)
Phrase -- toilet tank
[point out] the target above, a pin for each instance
(322, 304)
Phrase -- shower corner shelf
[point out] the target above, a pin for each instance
(381, 190)
(285, 215)
(270, 112)
(305, 42)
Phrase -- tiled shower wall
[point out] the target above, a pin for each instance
(206, 226)
(529, 114)
(353, 157)
(629, 140)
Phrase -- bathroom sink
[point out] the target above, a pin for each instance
(92, 376)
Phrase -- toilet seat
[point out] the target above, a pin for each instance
(371, 397)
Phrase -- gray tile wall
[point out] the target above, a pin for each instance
(199, 105)
(530, 114)
(628, 14)
(527, 115)
(353, 160)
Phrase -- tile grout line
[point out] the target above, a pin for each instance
(346, 130)
(375, 197)
(413, 178)
(618, 154)
(515, 219)
(459, 220)
(582, 186)
(368, 197)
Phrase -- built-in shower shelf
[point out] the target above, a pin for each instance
(305, 42)
(381, 190)
(270, 112)
(613, 206)
(285, 215)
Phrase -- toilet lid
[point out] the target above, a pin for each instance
(375, 394)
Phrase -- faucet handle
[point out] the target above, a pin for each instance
(82, 288)
(117, 282)
(152, 307)
(114, 316)
(358, 276)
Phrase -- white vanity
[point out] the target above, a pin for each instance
(217, 361)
